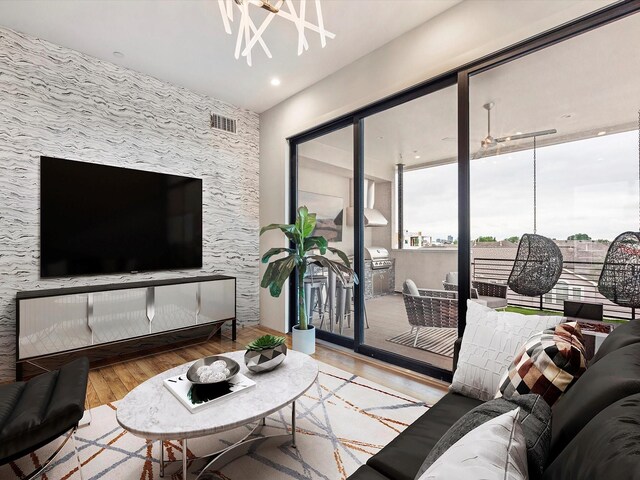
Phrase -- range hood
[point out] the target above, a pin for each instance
(372, 217)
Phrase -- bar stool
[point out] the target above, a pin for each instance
(314, 287)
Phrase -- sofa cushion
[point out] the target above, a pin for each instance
(365, 472)
(496, 450)
(613, 377)
(624, 335)
(547, 364)
(607, 447)
(490, 342)
(535, 419)
(402, 457)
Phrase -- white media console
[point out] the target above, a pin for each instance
(110, 322)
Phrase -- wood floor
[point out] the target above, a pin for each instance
(111, 383)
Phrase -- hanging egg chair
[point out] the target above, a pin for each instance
(538, 263)
(537, 266)
(620, 277)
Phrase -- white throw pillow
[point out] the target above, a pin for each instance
(496, 450)
(490, 342)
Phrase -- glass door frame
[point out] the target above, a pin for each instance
(459, 76)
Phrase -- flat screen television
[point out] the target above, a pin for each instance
(98, 219)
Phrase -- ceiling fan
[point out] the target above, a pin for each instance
(489, 142)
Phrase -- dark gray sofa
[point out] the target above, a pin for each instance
(595, 425)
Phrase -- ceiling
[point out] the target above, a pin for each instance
(183, 42)
(580, 87)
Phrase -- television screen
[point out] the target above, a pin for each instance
(97, 219)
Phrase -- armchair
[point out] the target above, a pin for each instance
(493, 295)
(429, 308)
(37, 412)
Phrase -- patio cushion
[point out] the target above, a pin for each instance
(402, 458)
(493, 302)
(410, 287)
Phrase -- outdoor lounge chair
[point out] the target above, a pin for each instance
(429, 308)
(493, 295)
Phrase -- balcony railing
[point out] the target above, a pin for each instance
(578, 282)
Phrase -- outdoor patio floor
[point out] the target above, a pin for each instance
(388, 318)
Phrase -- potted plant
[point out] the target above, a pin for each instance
(265, 353)
(305, 249)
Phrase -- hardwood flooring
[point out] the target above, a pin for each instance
(113, 382)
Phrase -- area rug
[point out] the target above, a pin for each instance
(433, 339)
(341, 421)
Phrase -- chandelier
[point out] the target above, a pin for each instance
(249, 34)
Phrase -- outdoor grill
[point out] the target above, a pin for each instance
(379, 257)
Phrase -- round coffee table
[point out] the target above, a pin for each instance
(152, 412)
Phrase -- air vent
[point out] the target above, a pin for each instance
(223, 123)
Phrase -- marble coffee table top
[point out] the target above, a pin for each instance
(151, 411)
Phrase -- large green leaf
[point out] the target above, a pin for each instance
(341, 254)
(275, 251)
(343, 273)
(305, 221)
(316, 242)
(277, 273)
(287, 229)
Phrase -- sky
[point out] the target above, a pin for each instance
(586, 186)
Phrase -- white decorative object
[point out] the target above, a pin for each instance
(490, 342)
(496, 450)
(180, 387)
(249, 35)
(304, 340)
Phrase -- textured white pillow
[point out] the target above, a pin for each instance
(490, 342)
(496, 450)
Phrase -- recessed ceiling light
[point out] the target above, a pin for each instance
(417, 156)
(602, 133)
(275, 82)
(518, 133)
(118, 54)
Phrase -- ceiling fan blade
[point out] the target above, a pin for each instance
(522, 136)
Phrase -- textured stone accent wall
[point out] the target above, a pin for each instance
(60, 103)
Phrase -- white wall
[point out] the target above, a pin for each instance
(466, 32)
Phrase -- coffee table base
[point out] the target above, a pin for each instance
(248, 444)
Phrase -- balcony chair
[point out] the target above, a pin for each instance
(39, 411)
(493, 295)
(429, 308)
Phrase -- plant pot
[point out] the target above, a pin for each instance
(259, 361)
(304, 340)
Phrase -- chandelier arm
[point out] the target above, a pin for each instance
(225, 16)
(323, 38)
(256, 38)
(258, 34)
(247, 29)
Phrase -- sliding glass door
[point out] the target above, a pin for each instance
(325, 187)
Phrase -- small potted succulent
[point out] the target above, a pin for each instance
(265, 353)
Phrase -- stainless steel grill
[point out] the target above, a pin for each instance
(379, 257)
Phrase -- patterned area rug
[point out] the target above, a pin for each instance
(433, 339)
(341, 421)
